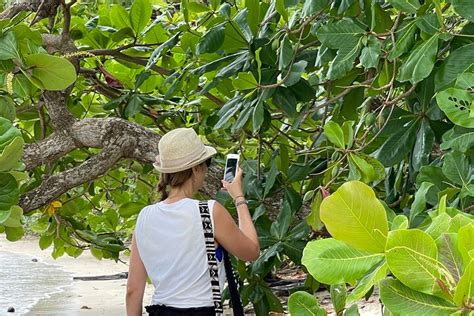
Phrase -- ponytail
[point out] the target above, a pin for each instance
(174, 180)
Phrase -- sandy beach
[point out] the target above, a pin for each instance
(81, 297)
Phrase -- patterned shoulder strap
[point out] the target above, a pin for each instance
(211, 255)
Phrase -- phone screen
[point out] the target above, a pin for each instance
(230, 169)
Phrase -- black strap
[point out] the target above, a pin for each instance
(233, 290)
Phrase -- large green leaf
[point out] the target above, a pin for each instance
(464, 293)
(409, 6)
(334, 133)
(304, 304)
(14, 220)
(405, 36)
(398, 145)
(8, 133)
(460, 142)
(343, 62)
(285, 53)
(9, 47)
(414, 252)
(245, 81)
(419, 203)
(464, 8)
(420, 63)
(456, 63)
(7, 108)
(423, 145)
(11, 154)
(140, 15)
(332, 262)
(9, 193)
(353, 214)
(212, 40)
(449, 254)
(402, 300)
(343, 34)
(456, 167)
(456, 104)
(369, 56)
(119, 17)
(53, 73)
(465, 243)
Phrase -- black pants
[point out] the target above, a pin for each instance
(162, 310)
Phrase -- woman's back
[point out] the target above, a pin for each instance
(170, 242)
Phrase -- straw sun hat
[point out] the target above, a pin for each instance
(181, 149)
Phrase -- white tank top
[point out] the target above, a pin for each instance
(170, 241)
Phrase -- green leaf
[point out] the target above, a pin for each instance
(14, 220)
(377, 273)
(464, 293)
(253, 17)
(9, 193)
(332, 262)
(405, 36)
(456, 63)
(14, 233)
(419, 203)
(348, 133)
(355, 205)
(258, 116)
(9, 47)
(228, 110)
(459, 142)
(399, 222)
(398, 145)
(7, 108)
(439, 225)
(409, 6)
(360, 169)
(402, 300)
(285, 53)
(119, 17)
(130, 208)
(304, 304)
(245, 81)
(456, 167)
(464, 8)
(45, 241)
(334, 134)
(171, 42)
(456, 104)
(212, 40)
(8, 133)
(420, 63)
(343, 62)
(54, 73)
(310, 7)
(11, 154)
(281, 9)
(449, 254)
(338, 296)
(134, 105)
(297, 69)
(369, 56)
(465, 243)
(352, 311)
(423, 146)
(414, 252)
(140, 14)
(344, 34)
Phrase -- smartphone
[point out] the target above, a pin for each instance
(231, 164)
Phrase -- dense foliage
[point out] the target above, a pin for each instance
(313, 94)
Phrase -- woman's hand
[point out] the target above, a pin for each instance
(235, 187)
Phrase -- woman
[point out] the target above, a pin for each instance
(168, 245)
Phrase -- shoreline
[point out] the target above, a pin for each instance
(101, 297)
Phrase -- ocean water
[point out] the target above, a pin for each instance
(23, 282)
